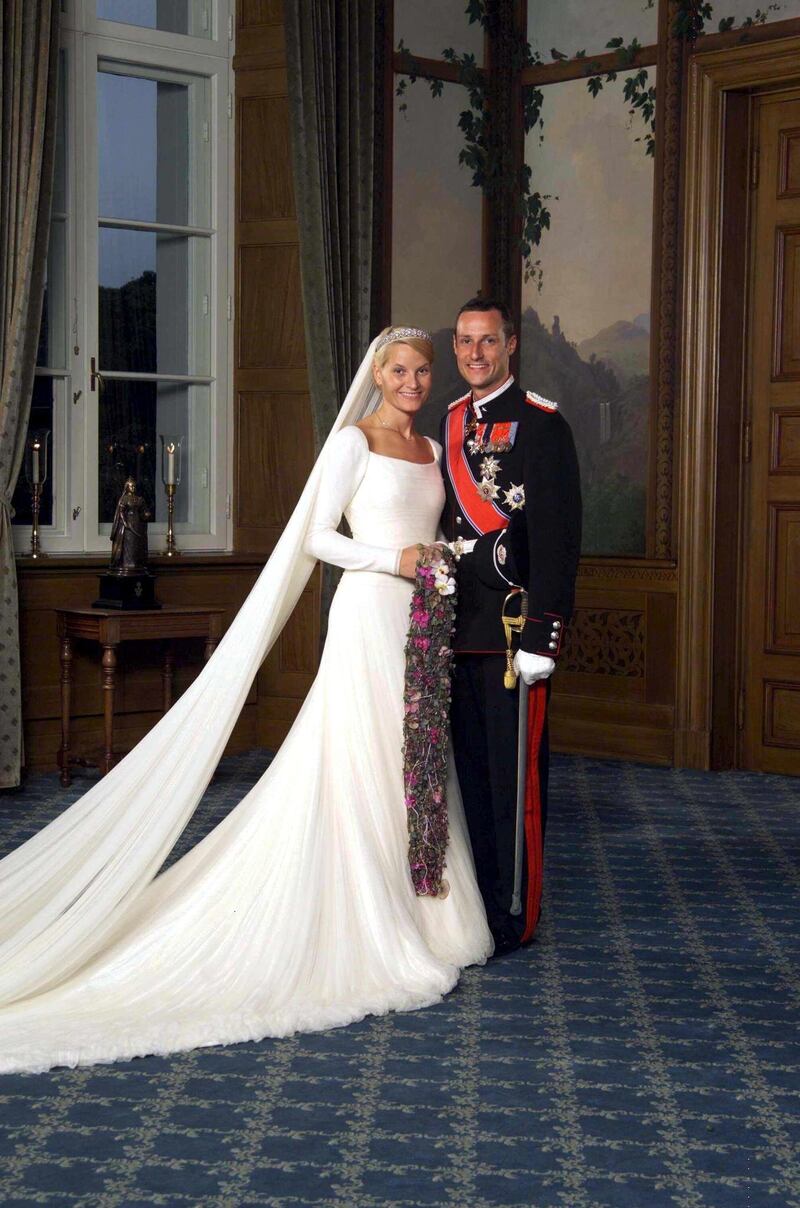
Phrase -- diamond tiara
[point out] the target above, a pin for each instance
(398, 334)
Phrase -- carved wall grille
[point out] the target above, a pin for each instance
(608, 641)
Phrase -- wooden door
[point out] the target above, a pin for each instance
(770, 702)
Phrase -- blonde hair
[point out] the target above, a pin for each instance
(420, 344)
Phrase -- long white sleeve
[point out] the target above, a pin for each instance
(345, 464)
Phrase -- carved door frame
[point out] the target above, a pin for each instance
(706, 689)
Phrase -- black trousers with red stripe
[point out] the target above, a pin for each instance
(484, 718)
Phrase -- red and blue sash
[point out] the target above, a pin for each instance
(483, 514)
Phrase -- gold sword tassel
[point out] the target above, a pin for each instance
(511, 625)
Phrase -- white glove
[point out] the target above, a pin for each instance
(533, 667)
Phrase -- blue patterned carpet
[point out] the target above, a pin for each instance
(643, 1053)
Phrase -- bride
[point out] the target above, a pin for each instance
(297, 912)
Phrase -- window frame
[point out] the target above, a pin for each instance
(74, 464)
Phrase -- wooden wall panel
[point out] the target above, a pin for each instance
(785, 440)
(270, 329)
(614, 690)
(783, 572)
(273, 439)
(787, 306)
(789, 164)
(216, 580)
(265, 193)
(781, 715)
(267, 424)
(259, 31)
(253, 13)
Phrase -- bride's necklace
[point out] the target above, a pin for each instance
(384, 424)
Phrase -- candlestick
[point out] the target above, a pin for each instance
(36, 474)
(36, 499)
(172, 550)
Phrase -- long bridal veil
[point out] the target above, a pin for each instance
(68, 890)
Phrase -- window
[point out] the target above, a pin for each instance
(136, 333)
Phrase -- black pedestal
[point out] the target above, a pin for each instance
(127, 591)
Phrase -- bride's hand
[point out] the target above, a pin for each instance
(408, 562)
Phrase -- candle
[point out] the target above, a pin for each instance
(171, 464)
(35, 462)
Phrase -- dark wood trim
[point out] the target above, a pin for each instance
(731, 400)
(747, 37)
(93, 563)
(665, 284)
(711, 78)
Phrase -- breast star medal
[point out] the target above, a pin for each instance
(515, 497)
(487, 488)
(489, 467)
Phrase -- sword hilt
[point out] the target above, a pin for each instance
(511, 625)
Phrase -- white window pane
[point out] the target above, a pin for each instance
(154, 302)
(585, 338)
(436, 235)
(427, 29)
(173, 16)
(572, 25)
(52, 352)
(163, 126)
(132, 415)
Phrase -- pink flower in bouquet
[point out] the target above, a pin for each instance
(426, 700)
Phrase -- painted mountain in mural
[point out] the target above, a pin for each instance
(624, 347)
(608, 410)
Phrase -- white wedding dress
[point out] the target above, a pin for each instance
(297, 912)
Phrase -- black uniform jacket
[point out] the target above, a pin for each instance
(511, 479)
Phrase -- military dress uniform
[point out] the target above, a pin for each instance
(512, 486)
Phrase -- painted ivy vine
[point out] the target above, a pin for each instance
(486, 154)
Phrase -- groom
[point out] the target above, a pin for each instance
(512, 516)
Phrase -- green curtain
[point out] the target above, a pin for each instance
(335, 56)
(28, 98)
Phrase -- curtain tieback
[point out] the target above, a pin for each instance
(5, 501)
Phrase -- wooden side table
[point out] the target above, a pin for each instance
(109, 627)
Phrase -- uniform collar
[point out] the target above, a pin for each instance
(478, 405)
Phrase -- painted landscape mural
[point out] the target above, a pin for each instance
(585, 337)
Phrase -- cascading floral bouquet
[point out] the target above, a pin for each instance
(426, 699)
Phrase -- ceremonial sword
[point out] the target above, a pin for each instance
(511, 623)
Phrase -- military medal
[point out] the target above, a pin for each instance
(515, 497)
(487, 488)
